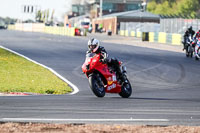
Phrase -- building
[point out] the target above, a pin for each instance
(78, 10)
(112, 22)
(113, 6)
(108, 7)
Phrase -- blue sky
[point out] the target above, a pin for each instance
(13, 8)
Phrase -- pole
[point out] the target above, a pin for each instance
(101, 6)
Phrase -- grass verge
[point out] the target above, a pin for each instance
(20, 75)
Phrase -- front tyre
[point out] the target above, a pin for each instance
(196, 58)
(191, 54)
(190, 49)
(187, 51)
(96, 85)
(126, 90)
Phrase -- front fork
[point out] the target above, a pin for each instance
(124, 73)
(123, 69)
(99, 80)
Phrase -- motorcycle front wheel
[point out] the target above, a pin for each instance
(196, 58)
(187, 51)
(190, 50)
(191, 54)
(97, 85)
(126, 90)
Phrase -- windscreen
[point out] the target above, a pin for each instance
(90, 55)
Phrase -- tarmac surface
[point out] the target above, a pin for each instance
(166, 87)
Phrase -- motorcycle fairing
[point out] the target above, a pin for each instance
(112, 83)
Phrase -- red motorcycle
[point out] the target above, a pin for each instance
(103, 79)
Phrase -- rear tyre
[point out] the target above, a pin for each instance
(96, 85)
(126, 90)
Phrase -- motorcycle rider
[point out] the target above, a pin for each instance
(197, 35)
(196, 38)
(94, 47)
(196, 49)
(187, 33)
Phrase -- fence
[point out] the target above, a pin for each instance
(178, 25)
(136, 29)
(170, 30)
(149, 32)
(142, 27)
(168, 25)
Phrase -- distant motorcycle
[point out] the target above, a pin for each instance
(103, 79)
(197, 50)
(189, 49)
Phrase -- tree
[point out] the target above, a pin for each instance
(174, 7)
(47, 15)
(151, 7)
(162, 1)
(38, 16)
(188, 8)
(165, 8)
(52, 16)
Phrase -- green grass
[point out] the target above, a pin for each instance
(20, 75)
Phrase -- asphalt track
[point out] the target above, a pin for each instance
(166, 85)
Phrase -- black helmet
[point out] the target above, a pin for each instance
(190, 28)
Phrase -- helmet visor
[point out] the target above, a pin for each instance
(92, 47)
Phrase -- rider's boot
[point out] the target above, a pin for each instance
(184, 46)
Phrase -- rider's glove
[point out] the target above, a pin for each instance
(104, 60)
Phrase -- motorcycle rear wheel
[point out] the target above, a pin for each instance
(126, 90)
(96, 86)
